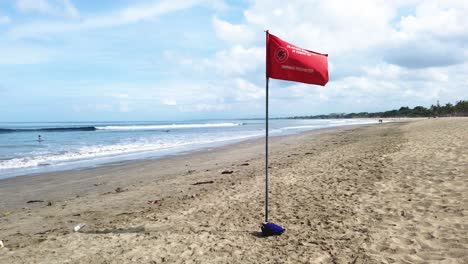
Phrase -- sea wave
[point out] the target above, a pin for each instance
(302, 127)
(92, 153)
(47, 129)
(83, 153)
(168, 127)
(332, 123)
(119, 127)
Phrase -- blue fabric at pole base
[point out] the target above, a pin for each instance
(270, 229)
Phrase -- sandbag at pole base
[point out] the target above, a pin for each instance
(270, 229)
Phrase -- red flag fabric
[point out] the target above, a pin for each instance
(286, 61)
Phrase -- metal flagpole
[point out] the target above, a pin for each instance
(268, 229)
(266, 133)
(266, 153)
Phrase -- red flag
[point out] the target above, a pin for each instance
(286, 61)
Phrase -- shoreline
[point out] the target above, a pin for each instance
(395, 192)
(8, 192)
(103, 160)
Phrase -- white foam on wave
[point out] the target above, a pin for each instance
(89, 153)
(345, 122)
(302, 127)
(331, 123)
(172, 126)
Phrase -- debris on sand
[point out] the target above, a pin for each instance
(154, 201)
(245, 164)
(227, 172)
(203, 182)
(1, 244)
(78, 227)
(35, 201)
(119, 190)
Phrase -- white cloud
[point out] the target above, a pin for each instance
(4, 20)
(336, 27)
(63, 8)
(246, 91)
(42, 6)
(23, 55)
(121, 96)
(384, 71)
(434, 18)
(233, 34)
(97, 107)
(378, 57)
(124, 107)
(237, 60)
(167, 101)
(70, 9)
(103, 107)
(124, 16)
(77, 108)
(383, 54)
(204, 107)
(434, 35)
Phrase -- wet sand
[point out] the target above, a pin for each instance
(387, 193)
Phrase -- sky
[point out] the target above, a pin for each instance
(77, 60)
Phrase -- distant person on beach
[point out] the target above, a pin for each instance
(39, 139)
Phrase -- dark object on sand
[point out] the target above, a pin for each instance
(270, 229)
(245, 164)
(35, 201)
(227, 172)
(119, 190)
(203, 182)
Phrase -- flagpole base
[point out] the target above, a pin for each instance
(270, 229)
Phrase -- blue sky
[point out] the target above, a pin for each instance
(70, 60)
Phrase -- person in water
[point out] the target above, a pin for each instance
(39, 139)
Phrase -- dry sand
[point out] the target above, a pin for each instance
(388, 193)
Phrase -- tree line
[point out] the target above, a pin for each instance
(437, 110)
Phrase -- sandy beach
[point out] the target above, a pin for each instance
(388, 193)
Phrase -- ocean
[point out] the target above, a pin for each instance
(75, 145)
